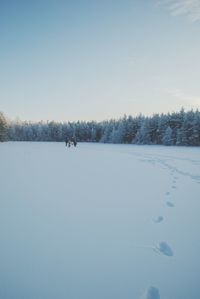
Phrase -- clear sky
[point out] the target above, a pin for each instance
(98, 59)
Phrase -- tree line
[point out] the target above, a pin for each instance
(178, 128)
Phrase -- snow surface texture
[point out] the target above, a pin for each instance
(159, 219)
(165, 249)
(77, 222)
(151, 293)
(170, 204)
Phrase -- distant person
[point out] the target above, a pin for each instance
(67, 142)
(70, 141)
(74, 141)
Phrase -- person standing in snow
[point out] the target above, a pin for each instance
(74, 141)
(67, 141)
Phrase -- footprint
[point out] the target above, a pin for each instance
(151, 293)
(174, 181)
(165, 249)
(159, 219)
(173, 187)
(170, 204)
(167, 193)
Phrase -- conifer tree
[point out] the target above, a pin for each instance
(3, 127)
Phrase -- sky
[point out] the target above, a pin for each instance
(98, 59)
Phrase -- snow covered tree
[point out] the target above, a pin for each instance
(167, 138)
(143, 136)
(3, 127)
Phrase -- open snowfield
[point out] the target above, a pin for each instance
(99, 221)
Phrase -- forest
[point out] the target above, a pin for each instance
(177, 128)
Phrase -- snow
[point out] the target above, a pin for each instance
(76, 223)
(170, 204)
(165, 249)
(152, 293)
(159, 219)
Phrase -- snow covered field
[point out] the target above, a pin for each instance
(99, 221)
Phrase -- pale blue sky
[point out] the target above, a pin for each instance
(97, 59)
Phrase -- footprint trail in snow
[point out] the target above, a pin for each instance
(164, 248)
(158, 219)
(170, 204)
(151, 293)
